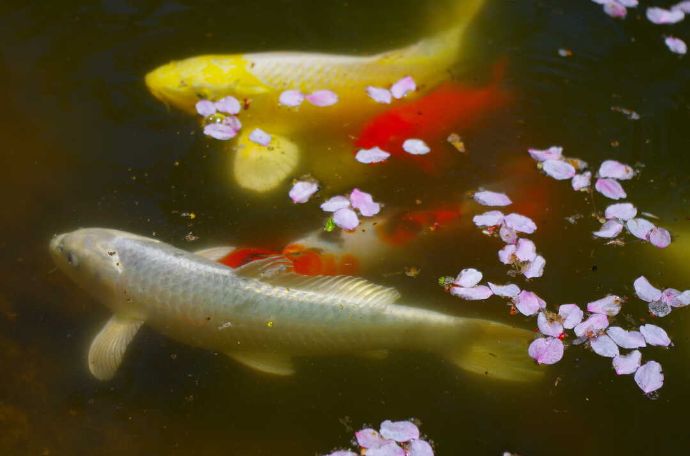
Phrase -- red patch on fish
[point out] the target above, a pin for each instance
(450, 107)
(310, 261)
(240, 257)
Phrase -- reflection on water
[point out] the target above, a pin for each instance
(84, 144)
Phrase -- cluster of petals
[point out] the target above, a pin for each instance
(224, 123)
(617, 8)
(343, 208)
(555, 165)
(302, 190)
(412, 146)
(398, 90)
(624, 215)
(675, 14)
(466, 286)
(394, 438)
(660, 303)
(320, 98)
(608, 177)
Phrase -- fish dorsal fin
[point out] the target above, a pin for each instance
(265, 268)
(270, 363)
(215, 253)
(109, 346)
(346, 287)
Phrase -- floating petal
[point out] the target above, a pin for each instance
(639, 227)
(616, 170)
(335, 203)
(649, 377)
(571, 315)
(659, 237)
(506, 291)
(627, 364)
(220, 131)
(322, 98)
(546, 350)
(478, 293)
(400, 431)
(404, 86)
(528, 303)
(610, 229)
(670, 297)
(548, 327)
(659, 308)
(581, 181)
(301, 191)
(655, 335)
(610, 188)
(369, 438)
(684, 6)
(663, 16)
(507, 254)
(609, 305)
(380, 95)
(621, 211)
(260, 137)
(291, 98)
(645, 291)
(507, 235)
(346, 218)
(520, 223)
(205, 107)
(684, 299)
(626, 339)
(419, 448)
(615, 9)
(364, 202)
(559, 169)
(373, 155)
(343, 453)
(552, 153)
(592, 326)
(534, 268)
(389, 449)
(525, 250)
(676, 45)
(604, 346)
(487, 198)
(491, 218)
(468, 278)
(415, 147)
(229, 105)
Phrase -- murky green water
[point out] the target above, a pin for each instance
(84, 144)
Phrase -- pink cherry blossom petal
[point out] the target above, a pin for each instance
(229, 105)
(534, 268)
(487, 198)
(335, 203)
(528, 303)
(505, 291)
(364, 203)
(615, 9)
(343, 453)
(659, 237)
(373, 155)
(220, 130)
(491, 218)
(581, 181)
(627, 364)
(389, 449)
(626, 339)
(400, 431)
(670, 297)
(260, 137)
(468, 278)
(610, 188)
(639, 227)
(369, 438)
(571, 315)
(628, 3)
(616, 170)
(558, 169)
(415, 147)
(548, 327)
(552, 153)
(507, 235)
(604, 346)
(663, 16)
(609, 305)
(546, 350)
(322, 98)
(507, 254)
(649, 377)
(346, 218)
(301, 191)
(478, 293)
(525, 250)
(684, 6)
(655, 335)
(520, 223)
(592, 325)
(621, 211)
(419, 448)
(402, 87)
(379, 94)
(676, 45)
(683, 299)
(291, 98)
(610, 229)
(645, 291)
(205, 107)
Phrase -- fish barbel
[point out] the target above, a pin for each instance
(263, 314)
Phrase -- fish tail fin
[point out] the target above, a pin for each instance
(496, 350)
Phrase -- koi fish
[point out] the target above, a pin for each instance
(259, 78)
(263, 314)
(450, 106)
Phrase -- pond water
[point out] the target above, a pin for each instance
(85, 144)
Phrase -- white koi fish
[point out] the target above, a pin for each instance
(263, 314)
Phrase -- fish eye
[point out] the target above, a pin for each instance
(72, 259)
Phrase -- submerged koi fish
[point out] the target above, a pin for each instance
(451, 106)
(263, 314)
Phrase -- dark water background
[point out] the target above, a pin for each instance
(84, 144)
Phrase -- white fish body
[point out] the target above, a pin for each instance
(262, 314)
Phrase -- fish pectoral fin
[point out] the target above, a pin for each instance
(109, 346)
(263, 168)
(215, 253)
(270, 363)
(265, 268)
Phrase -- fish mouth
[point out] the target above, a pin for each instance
(56, 243)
